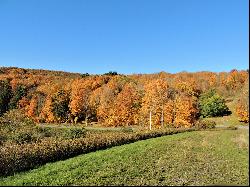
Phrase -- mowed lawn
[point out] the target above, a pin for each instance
(218, 157)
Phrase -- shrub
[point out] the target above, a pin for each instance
(15, 157)
(211, 104)
(2, 139)
(15, 118)
(127, 129)
(205, 124)
(74, 133)
(23, 137)
(14, 126)
(45, 131)
(232, 127)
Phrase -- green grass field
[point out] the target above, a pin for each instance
(218, 157)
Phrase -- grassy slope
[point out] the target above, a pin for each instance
(192, 158)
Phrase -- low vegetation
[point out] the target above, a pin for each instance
(19, 157)
(205, 124)
(218, 157)
(24, 145)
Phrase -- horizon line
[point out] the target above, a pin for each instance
(183, 71)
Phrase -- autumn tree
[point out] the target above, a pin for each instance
(185, 111)
(80, 102)
(104, 98)
(47, 114)
(95, 102)
(35, 105)
(23, 102)
(5, 96)
(127, 105)
(18, 93)
(31, 110)
(153, 102)
(60, 105)
(242, 106)
(235, 81)
(105, 110)
(188, 87)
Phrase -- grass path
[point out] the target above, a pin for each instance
(192, 158)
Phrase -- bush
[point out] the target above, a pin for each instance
(23, 137)
(15, 127)
(45, 131)
(127, 129)
(211, 104)
(60, 133)
(232, 127)
(2, 139)
(205, 124)
(15, 157)
(74, 133)
(16, 119)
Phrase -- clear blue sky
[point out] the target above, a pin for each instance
(127, 36)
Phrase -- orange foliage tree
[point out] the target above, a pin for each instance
(82, 89)
(46, 114)
(127, 105)
(121, 99)
(79, 105)
(105, 112)
(153, 102)
(242, 107)
(60, 105)
(185, 111)
(31, 109)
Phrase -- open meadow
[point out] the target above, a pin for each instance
(212, 157)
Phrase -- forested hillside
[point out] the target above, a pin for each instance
(121, 100)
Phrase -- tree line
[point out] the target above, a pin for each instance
(122, 100)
